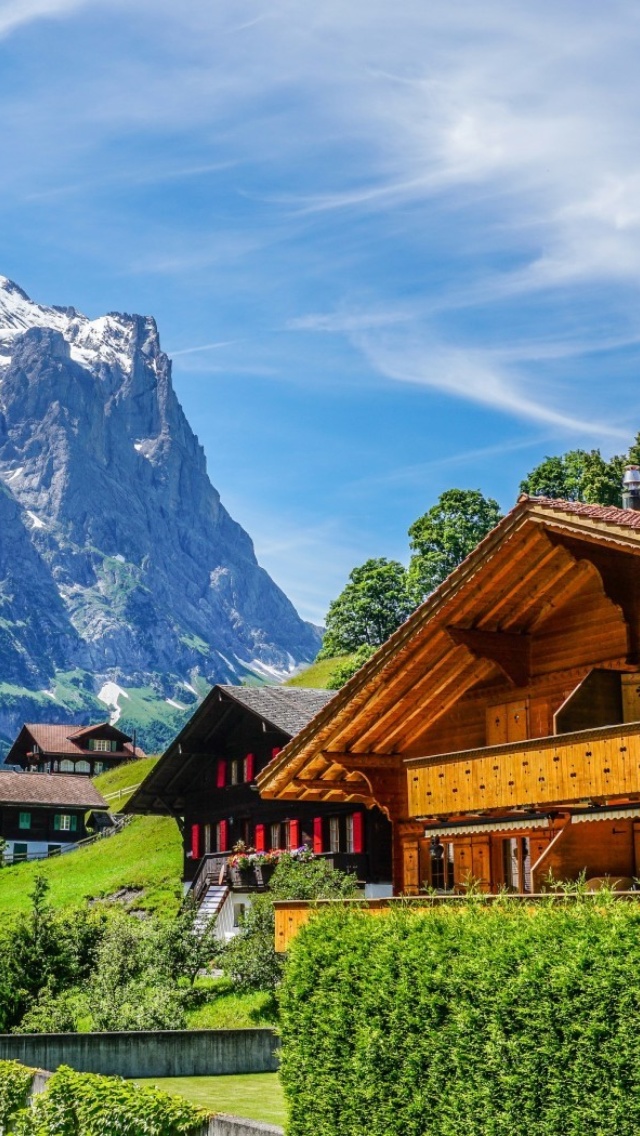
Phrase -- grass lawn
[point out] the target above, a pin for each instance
(147, 854)
(256, 1096)
(123, 777)
(229, 1010)
(318, 674)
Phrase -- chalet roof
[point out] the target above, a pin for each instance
(286, 709)
(67, 739)
(541, 552)
(54, 789)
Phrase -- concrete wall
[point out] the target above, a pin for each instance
(225, 1125)
(157, 1053)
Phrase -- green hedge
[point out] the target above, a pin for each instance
(498, 1020)
(84, 1104)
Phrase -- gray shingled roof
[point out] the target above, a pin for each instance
(288, 708)
(70, 789)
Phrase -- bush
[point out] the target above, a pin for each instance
(15, 1083)
(488, 1021)
(84, 1104)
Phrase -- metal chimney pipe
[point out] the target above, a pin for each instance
(631, 487)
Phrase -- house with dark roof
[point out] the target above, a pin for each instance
(206, 780)
(44, 748)
(41, 815)
(500, 725)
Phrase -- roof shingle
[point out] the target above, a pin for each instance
(288, 708)
(70, 789)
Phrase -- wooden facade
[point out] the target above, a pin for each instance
(41, 816)
(206, 780)
(499, 727)
(89, 750)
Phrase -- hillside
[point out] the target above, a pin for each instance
(145, 860)
(318, 674)
(126, 588)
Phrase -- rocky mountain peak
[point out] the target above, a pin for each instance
(151, 584)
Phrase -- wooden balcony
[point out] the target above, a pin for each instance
(591, 764)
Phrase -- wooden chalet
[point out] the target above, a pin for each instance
(45, 748)
(499, 727)
(41, 815)
(206, 779)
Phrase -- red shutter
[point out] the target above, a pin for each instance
(248, 767)
(260, 846)
(195, 841)
(317, 835)
(275, 752)
(221, 779)
(224, 836)
(294, 833)
(358, 832)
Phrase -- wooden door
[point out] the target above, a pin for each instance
(507, 722)
(411, 868)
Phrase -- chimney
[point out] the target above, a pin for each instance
(631, 487)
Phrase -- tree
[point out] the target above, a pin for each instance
(372, 605)
(348, 667)
(580, 475)
(447, 532)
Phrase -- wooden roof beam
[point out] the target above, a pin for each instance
(429, 713)
(512, 653)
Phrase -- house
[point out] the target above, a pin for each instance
(206, 779)
(41, 815)
(499, 727)
(45, 748)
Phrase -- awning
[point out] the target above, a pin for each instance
(462, 829)
(605, 814)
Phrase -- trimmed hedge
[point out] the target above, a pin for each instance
(84, 1104)
(479, 1020)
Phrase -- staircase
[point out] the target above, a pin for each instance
(215, 903)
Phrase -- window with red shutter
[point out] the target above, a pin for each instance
(294, 833)
(317, 835)
(275, 751)
(224, 836)
(221, 778)
(195, 841)
(260, 842)
(248, 767)
(358, 832)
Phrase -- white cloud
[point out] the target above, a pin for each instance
(15, 13)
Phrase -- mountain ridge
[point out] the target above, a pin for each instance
(120, 568)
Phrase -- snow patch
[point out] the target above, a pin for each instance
(137, 446)
(49, 694)
(120, 557)
(109, 694)
(37, 523)
(264, 670)
(228, 662)
(188, 686)
(15, 473)
(172, 702)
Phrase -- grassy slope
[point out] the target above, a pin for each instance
(257, 1096)
(318, 674)
(147, 854)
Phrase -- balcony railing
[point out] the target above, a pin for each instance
(215, 869)
(590, 764)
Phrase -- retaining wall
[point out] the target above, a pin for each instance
(153, 1053)
(225, 1125)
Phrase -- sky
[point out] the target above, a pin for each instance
(391, 248)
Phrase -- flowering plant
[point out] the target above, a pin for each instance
(243, 858)
(303, 854)
(273, 857)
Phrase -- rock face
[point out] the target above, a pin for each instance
(120, 569)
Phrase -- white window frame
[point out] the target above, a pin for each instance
(334, 834)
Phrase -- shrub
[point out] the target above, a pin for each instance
(489, 1021)
(15, 1083)
(84, 1104)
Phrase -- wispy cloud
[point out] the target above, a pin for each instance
(201, 347)
(16, 13)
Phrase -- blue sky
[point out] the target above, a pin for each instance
(391, 248)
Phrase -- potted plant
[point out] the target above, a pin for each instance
(242, 864)
(267, 862)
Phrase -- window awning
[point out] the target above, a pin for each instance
(462, 829)
(605, 814)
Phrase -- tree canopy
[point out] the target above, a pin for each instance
(581, 475)
(374, 602)
(445, 534)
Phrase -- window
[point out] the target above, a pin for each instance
(334, 834)
(53, 849)
(235, 772)
(101, 745)
(275, 835)
(67, 767)
(349, 835)
(441, 859)
(207, 839)
(64, 822)
(19, 852)
(83, 767)
(516, 863)
(24, 820)
(98, 767)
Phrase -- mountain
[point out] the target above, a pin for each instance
(124, 582)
